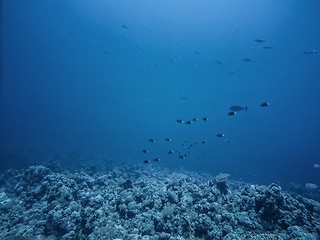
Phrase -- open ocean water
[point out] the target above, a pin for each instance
(139, 103)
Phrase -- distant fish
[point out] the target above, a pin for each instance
(268, 47)
(188, 122)
(124, 26)
(204, 141)
(196, 52)
(180, 121)
(168, 139)
(145, 151)
(152, 140)
(238, 108)
(170, 152)
(205, 119)
(220, 135)
(311, 186)
(146, 161)
(156, 159)
(184, 98)
(259, 40)
(264, 104)
(182, 156)
(310, 52)
(195, 119)
(227, 140)
(232, 113)
(316, 165)
(247, 60)
(220, 63)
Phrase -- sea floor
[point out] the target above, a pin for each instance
(135, 202)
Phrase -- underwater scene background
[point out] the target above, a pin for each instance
(160, 120)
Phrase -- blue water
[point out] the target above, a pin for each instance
(102, 77)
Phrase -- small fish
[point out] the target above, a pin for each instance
(152, 140)
(156, 159)
(196, 52)
(195, 119)
(145, 151)
(310, 52)
(170, 152)
(232, 113)
(168, 139)
(124, 26)
(311, 186)
(264, 104)
(184, 98)
(268, 47)
(220, 135)
(220, 63)
(316, 165)
(146, 161)
(238, 108)
(204, 141)
(188, 122)
(205, 119)
(182, 156)
(179, 121)
(259, 40)
(247, 60)
(227, 140)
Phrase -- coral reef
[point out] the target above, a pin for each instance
(148, 203)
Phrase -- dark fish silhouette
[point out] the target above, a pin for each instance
(182, 156)
(188, 122)
(247, 60)
(238, 108)
(124, 26)
(168, 139)
(310, 52)
(220, 135)
(259, 40)
(264, 104)
(156, 159)
(204, 141)
(205, 119)
(146, 161)
(170, 152)
(152, 140)
(232, 113)
(145, 151)
(220, 62)
(180, 121)
(195, 119)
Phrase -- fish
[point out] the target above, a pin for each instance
(232, 113)
(227, 140)
(145, 151)
(204, 141)
(220, 135)
(124, 26)
(146, 161)
(264, 104)
(179, 121)
(196, 52)
(259, 40)
(220, 63)
(156, 159)
(316, 165)
(195, 119)
(168, 139)
(170, 152)
(238, 108)
(247, 60)
(205, 119)
(184, 98)
(310, 52)
(188, 122)
(311, 186)
(152, 140)
(182, 156)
